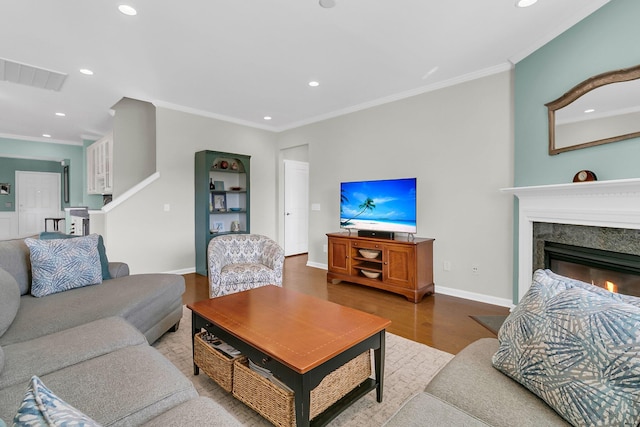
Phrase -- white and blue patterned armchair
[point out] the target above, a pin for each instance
(238, 262)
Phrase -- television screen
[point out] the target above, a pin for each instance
(382, 205)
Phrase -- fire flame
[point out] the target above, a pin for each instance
(611, 287)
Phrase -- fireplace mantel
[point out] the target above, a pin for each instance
(614, 203)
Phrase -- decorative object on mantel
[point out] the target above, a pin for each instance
(584, 176)
(224, 164)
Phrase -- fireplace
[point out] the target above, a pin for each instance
(614, 271)
(602, 204)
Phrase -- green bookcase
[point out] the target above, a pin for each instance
(224, 209)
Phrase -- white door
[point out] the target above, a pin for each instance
(296, 207)
(38, 197)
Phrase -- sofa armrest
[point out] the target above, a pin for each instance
(118, 269)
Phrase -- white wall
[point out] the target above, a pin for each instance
(458, 142)
(150, 239)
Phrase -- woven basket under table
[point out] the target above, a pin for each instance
(277, 405)
(216, 365)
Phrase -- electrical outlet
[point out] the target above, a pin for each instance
(324, 248)
(446, 265)
(475, 269)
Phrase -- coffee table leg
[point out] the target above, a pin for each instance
(302, 401)
(194, 331)
(378, 354)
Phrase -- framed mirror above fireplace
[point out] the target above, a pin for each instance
(602, 109)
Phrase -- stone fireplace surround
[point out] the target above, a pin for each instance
(611, 204)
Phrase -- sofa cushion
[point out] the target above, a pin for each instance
(578, 350)
(439, 413)
(201, 411)
(102, 251)
(471, 383)
(14, 257)
(42, 407)
(66, 348)
(63, 264)
(9, 300)
(142, 299)
(126, 387)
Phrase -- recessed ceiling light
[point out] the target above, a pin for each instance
(327, 4)
(314, 84)
(46, 135)
(525, 3)
(127, 10)
(60, 114)
(86, 71)
(590, 110)
(267, 117)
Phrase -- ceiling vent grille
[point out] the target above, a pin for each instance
(15, 72)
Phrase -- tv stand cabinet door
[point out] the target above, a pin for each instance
(399, 265)
(339, 260)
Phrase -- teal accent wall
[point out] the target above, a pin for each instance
(15, 152)
(606, 40)
(8, 168)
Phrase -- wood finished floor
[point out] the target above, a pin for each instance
(440, 321)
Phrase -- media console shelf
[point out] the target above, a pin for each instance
(401, 265)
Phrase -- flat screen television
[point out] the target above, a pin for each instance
(381, 205)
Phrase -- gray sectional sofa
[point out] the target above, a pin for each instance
(568, 354)
(90, 347)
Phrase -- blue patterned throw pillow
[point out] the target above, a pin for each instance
(40, 407)
(577, 350)
(59, 265)
(102, 251)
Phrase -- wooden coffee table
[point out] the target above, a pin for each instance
(299, 338)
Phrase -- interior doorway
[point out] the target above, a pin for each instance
(37, 197)
(296, 207)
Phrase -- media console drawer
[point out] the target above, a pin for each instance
(401, 265)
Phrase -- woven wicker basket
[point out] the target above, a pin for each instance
(277, 405)
(216, 365)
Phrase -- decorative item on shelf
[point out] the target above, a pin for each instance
(369, 253)
(219, 185)
(235, 226)
(220, 202)
(211, 184)
(218, 227)
(235, 188)
(584, 176)
(224, 164)
(371, 274)
(234, 166)
(235, 209)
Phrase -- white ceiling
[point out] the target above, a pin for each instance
(241, 60)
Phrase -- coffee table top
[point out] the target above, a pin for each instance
(298, 330)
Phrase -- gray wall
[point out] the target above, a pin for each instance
(141, 232)
(458, 142)
(134, 143)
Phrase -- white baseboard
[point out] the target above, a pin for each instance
(487, 299)
(182, 271)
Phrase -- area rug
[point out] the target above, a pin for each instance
(409, 366)
(492, 323)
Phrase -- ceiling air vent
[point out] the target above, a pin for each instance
(15, 72)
